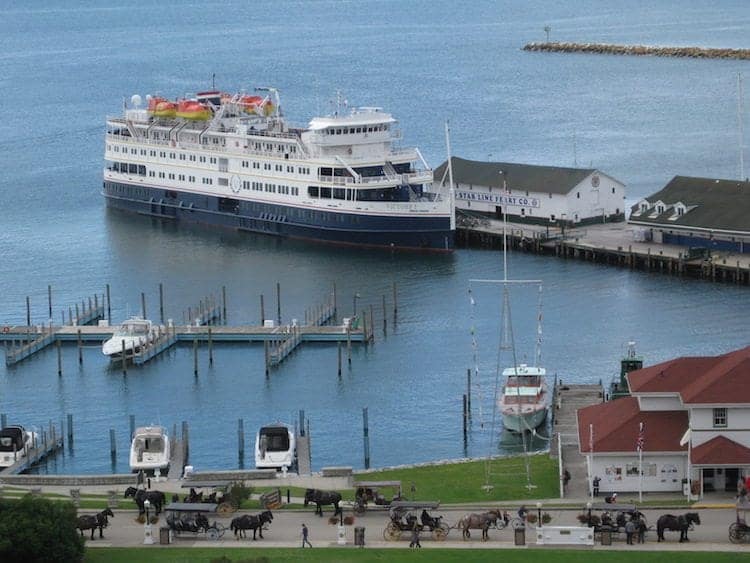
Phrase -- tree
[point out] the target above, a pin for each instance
(34, 529)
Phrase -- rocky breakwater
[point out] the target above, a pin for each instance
(608, 49)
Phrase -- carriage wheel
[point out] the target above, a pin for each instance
(213, 534)
(441, 532)
(391, 532)
(225, 509)
(735, 534)
(221, 528)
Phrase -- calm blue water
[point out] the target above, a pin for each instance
(64, 66)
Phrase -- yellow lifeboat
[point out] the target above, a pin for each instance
(193, 110)
(256, 105)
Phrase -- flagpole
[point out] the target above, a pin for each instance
(690, 485)
(590, 459)
(640, 475)
(639, 445)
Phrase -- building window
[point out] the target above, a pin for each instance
(720, 418)
(578, 195)
(613, 190)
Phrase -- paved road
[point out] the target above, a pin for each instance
(285, 530)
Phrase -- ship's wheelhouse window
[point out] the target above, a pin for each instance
(132, 168)
(141, 170)
(339, 193)
(325, 193)
(313, 191)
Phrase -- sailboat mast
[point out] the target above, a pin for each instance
(740, 131)
(451, 191)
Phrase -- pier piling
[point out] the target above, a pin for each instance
(241, 438)
(224, 304)
(59, 359)
(195, 357)
(161, 303)
(468, 390)
(372, 324)
(49, 301)
(267, 356)
(3, 420)
(28, 311)
(466, 421)
(112, 444)
(185, 439)
(70, 430)
(78, 315)
(349, 345)
(339, 353)
(143, 305)
(335, 305)
(80, 347)
(210, 348)
(385, 319)
(262, 311)
(366, 437)
(132, 426)
(395, 304)
(301, 422)
(109, 308)
(124, 359)
(278, 302)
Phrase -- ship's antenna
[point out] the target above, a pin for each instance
(213, 81)
(740, 131)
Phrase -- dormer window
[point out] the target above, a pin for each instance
(644, 207)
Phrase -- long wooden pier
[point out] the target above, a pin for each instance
(608, 243)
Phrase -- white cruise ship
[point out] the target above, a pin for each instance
(231, 160)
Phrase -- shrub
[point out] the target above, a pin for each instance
(546, 518)
(348, 520)
(35, 529)
(238, 492)
(531, 518)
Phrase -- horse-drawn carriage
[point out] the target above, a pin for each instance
(613, 518)
(403, 518)
(739, 531)
(192, 518)
(219, 495)
(368, 493)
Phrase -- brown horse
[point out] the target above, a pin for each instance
(481, 521)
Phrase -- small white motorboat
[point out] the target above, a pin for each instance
(525, 400)
(275, 447)
(131, 336)
(15, 443)
(149, 450)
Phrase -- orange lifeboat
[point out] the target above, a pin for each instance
(193, 110)
(161, 107)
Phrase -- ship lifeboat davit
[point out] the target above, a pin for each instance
(161, 107)
(256, 105)
(193, 110)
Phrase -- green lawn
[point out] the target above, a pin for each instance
(334, 555)
(463, 482)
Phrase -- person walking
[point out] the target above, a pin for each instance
(596, 482)
(629, 531)
(415, 536)
(305, 534)
(566, 478)
(641, 530)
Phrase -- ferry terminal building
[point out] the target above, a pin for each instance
(546, 195)
(696, 425)
(698, 212)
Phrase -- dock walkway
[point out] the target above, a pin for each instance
(568, 399)
(47, 444)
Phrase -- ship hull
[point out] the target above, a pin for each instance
(525, 421)
(422, 233)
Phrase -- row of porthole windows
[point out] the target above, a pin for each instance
(271, 188)
(304, 215)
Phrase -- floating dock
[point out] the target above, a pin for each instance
(47, 444)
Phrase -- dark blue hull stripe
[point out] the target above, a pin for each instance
(418, 233)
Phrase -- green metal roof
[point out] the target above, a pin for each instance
(525, 177)
(711, 204)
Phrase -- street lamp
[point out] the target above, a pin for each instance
(539, 513)
(356, 296)
(588, 518)
(148, 538)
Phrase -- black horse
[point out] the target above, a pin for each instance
(94, 521)
(681, 523)
(248, 522)
(323, 497)
(156, 498)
